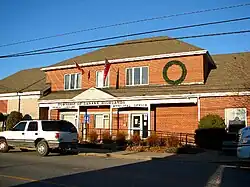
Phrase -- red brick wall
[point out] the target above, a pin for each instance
(3, 106)
(194, 65)
(178, 118)
(217, 105)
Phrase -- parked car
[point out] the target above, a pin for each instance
(243, 149)
(44, 135)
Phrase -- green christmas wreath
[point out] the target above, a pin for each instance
(183, 75)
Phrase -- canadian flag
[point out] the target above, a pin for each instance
(106, 70)
(79, 68)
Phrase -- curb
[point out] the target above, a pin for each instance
(112, 155)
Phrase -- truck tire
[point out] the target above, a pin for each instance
(42, 148)
(4, 148)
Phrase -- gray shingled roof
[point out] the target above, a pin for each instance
(141, 47)
(25, 81)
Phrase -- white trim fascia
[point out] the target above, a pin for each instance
(134, 98)
(150, 57)
(20, 94)
(20, 97)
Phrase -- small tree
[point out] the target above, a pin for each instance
(212, 121)
(13, 119)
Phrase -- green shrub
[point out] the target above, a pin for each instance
(13, 118)
(153, 140)
(106, 137)
(120, 138)
(212, 121)
(136, 139)
(210, 138)
(93, 136)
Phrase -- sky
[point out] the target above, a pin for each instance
(29, 19)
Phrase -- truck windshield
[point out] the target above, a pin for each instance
(63, 126)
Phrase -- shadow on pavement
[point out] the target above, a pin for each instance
(160, 172)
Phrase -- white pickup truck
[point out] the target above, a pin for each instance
(44, 135)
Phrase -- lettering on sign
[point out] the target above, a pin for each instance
(114, 104)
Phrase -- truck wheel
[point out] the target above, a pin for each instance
(4, 148)
(42, 148)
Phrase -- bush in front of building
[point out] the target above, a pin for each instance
(13, 118)
(153, 140)
(212, 121)
(120, 138)
(135, 139)
(93, 136)
(172, 141)
(106, 137)
(210, 138)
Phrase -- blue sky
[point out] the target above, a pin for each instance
(28, 19)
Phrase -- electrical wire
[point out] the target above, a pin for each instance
(127, 23)
(129, 43)
(136, 34)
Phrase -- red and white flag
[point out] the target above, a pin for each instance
(106, 70)
(79, 68)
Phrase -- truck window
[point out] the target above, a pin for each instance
(33, 126)
(62, 125)
(20, 126)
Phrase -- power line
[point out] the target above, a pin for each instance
(129, 43)
(134, 34)
(127, 23)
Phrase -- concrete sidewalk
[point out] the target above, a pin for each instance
(207, 156)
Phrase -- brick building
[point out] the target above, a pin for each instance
(152, 84)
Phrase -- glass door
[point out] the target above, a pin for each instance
(136, 124)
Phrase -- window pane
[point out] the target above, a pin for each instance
(78, 80)
(99, 79)
(136, 76)
(20, 126)
(98, 121)
(66, 82)
(33, 126)
(106, 123)
(129, 77)
(60, 125)
(72, 81)
(145, 75)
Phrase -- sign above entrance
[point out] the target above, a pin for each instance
(113, 104)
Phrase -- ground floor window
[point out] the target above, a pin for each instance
(101, 121)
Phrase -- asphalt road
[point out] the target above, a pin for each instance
(27, 169)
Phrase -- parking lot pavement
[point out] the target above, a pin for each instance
(28, 169)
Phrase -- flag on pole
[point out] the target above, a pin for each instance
(106, 70)
(79, 68)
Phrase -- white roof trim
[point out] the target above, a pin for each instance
(215, 94)
(20, 94)
(129, 59)
(93, 93)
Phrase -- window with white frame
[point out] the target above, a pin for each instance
(102, 121)
(137, 76)
(72, 81)
(99, 79)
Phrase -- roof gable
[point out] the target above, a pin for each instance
(93, 93)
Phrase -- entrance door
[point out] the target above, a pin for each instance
(136, 125)
(139, 125)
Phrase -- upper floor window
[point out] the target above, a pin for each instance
(99, 79)
(72, 81)
(137, 76)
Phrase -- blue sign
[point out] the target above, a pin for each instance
(86, 118)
